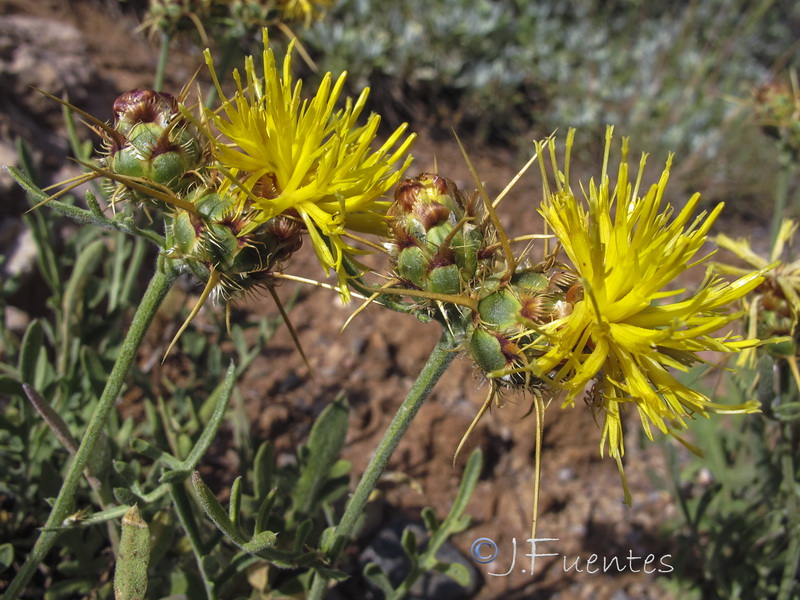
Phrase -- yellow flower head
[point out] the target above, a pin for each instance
(774, 308)
(303, 10)
(304, 159)
(624, 335)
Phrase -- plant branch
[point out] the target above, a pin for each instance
(159, 286)
(441, 357)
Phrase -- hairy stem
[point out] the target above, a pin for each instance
(163, 59)
(441, 357)
(184, 510)
(781, 193)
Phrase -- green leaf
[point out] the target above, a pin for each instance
(130, 576)
(67, 590)
(455, 571)
(29, 351)
(72, 303)
(260, 541)
(264, 510)
(409, 542)
(262, 469)
(215, 511)
(375, 574)
(25, 161)
(222, 395)
(147, 449)
(174, 476)
(322, 451)
(431, 522)
(93, 369)
(301, 535)
(235, 506)
(125, 496)
(6, 556)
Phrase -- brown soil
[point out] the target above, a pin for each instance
(377, 358)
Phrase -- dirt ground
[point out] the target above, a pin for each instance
(377, 357)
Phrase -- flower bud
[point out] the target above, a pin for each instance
(218, 236)
(152, 142)
(502, 335)
(435, 241)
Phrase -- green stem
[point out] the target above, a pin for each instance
(183, 508)
(439, 360)
(781, 192)
(159, 286)
(163, 58)
(792, 562)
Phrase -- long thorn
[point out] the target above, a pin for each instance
(74, 181)
(107, 129)
(358, 311)
(148, 190)
(514, 181)
(453, 299)
(314, 282)
(290, 327)
(487, 403)
(537, 471)
(501, 233)
(213, 280)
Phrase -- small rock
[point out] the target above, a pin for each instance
(43, 53)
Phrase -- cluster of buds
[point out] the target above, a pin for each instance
(445, 252)
(222, 244)
(156, 157)
(436, 244)
(507, 314)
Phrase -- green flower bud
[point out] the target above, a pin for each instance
(144, 106)
(436, 243)
(152, 141)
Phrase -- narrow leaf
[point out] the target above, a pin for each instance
(215, 511)
(375, 574)
(223, 394)
(234, 508)
(324, 446)
(262, 469)
(455, 571)
(260, 541)
(29, 351)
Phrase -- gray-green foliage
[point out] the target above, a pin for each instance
(739, 533)
(672, 71)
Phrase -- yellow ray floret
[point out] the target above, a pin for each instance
(626, 336)
(303, 158)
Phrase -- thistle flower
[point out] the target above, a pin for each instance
(294, 157)
(303, 11)
(774, 308)
(621, 336)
